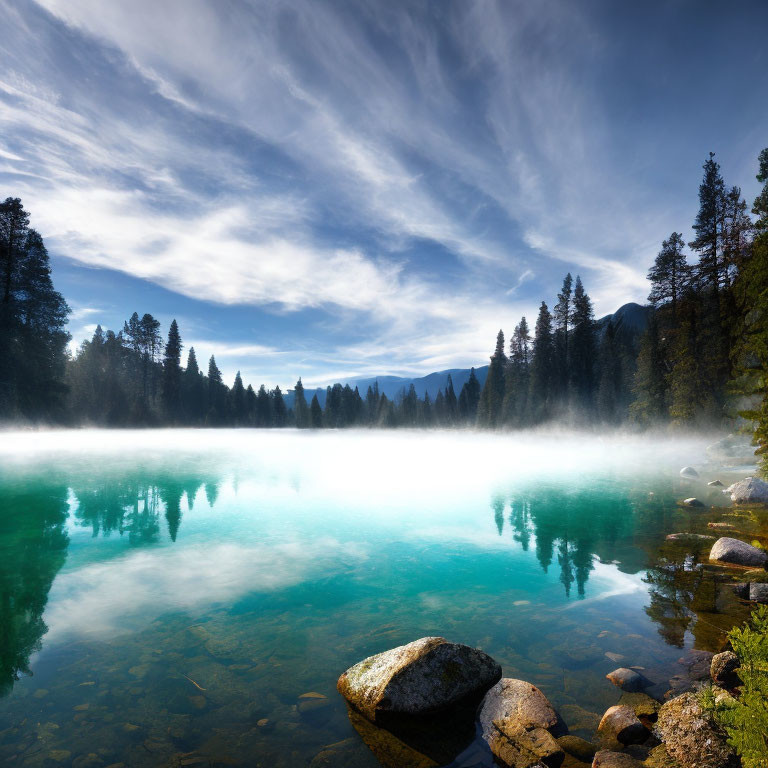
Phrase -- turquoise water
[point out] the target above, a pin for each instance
(170, 598)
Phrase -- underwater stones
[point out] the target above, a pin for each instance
(721, 526)
(758, 592)
(737, 552)
(689, 472)
(627, 679)
(423, 676)
(517, 700)
(577, 747)
(691, 736)
(751, 490)
(515, 746)
(621, 724)
(715, 484)
(689, 537)
(692, 502)
(641, 704)
(723, 669)
(605, 758)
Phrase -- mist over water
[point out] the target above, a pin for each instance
(261, 564)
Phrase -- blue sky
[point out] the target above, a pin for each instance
(340, 189)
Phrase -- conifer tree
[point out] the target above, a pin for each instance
(300, 407)
(670, 273)
(469, 399)
(517, 376)
(492, 396)
(33, 316)
(263, 408)
(651, 405)
(451, 404)
(172, 374)
(315, 413)
(583, 347)
(279, 410)
(215, 394)
(751, 354)
(193, 391)
(709, 225)
(563, 315)
(239, 406)
(543, 367)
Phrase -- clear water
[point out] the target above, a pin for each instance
(169, 598)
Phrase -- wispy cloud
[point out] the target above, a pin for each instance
(423, 177)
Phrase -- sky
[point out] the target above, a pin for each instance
(333, 189)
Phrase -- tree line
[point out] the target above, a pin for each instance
(702, 359)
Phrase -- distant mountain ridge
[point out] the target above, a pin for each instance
(630, 321)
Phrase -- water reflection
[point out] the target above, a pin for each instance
(33, 548)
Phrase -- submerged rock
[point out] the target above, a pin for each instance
(715, 484)
(688, 472)
(737, 552)
(751, 490)
(701, 537)
(692, 502)
(579, 748)
(515, 718)
(741, 589)
(423, 676)
(691, 736)
(605, 758)
(641, 704)
(627, 679)
(621, 724)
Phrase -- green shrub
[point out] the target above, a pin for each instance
(745, 719)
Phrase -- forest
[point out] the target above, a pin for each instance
(701, 360)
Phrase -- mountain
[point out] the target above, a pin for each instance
(391, 386)
(630, 321)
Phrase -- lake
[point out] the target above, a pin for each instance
(187, 597)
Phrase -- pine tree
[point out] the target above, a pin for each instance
(517, 377)
(583, 347)
(263, 408)
(451, 403)
(709, 226)
(670, 273)
(239, 405)
(609, 395)
(543, 368)
(492, 396)
(469, 399)
(33, 316)
(279, 410)
(563, 315)
(300, 407)
(315, 413)
(751, 353)
(172, 374)
(194, 399)
(216, 394)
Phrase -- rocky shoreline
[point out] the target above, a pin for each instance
(432, 702)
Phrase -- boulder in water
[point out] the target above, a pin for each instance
(605, 758)
(689, 472)
(692, 502)
(577, 747)
(627, 679)
(692, 537)
(621, 724)
(737, 552)
(751, 490)
(515, 718)
(424, 676)
(715, 484)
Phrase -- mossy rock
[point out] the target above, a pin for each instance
(660, 758)
(643, 705)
